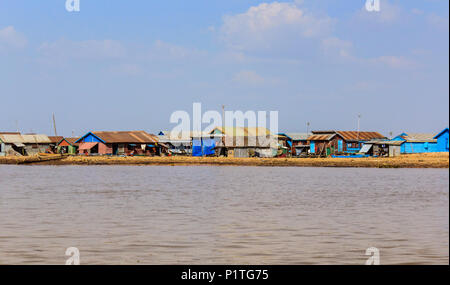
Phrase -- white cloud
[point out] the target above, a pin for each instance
(11, 39)
(270, 25)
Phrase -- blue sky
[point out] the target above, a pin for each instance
(125, 65)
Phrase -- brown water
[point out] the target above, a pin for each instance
(223, 215)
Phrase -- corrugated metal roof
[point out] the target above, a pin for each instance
(365, 148)
(25, 139)
(138, 137)
(191, 134)
(386, 142)
(346, 135)
(321, 137)
(323, 132)
(166, 139)
(243, 131)
(71, 141)
(298, 136)
(359, 136)
(419, 137)
(55, 139)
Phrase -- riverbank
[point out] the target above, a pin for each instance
(427, 160)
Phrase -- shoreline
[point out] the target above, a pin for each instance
(427, 160)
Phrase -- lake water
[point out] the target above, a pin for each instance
(223, 215)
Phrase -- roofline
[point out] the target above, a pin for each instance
(443, 131)
(284, 134)
(63, 139)
(89, 133)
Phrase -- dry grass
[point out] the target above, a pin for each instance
(428, 160)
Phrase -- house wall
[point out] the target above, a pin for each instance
(9, 150)
(352, 147)
(72, 149)
(419, 147)
(33, 149)
(319, 146)
(394, 150)
(241, 152)
(91, 138)
(104, 149)
(443, 142)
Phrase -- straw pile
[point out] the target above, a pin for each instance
(428, 160)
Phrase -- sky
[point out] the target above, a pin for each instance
(128, 65)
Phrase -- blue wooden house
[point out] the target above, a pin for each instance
(422, 143)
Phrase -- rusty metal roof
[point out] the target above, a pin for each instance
(321, 137)
(55, 139)
(138, 137)
(71, 141)
(359, 136)
(9, 133)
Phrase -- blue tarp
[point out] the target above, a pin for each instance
(196, 147)
(208, 146)
(201, 147)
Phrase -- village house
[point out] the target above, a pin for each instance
(54, 143)
(177, 145)
(120, 143)
(353, 140)
(24, 144)
(68, 145)
(325, 143)
(245, 142)
(381, 148)
(297, 143)
(423, 142)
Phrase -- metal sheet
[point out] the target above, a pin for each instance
(365, 148)
(87, 146)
